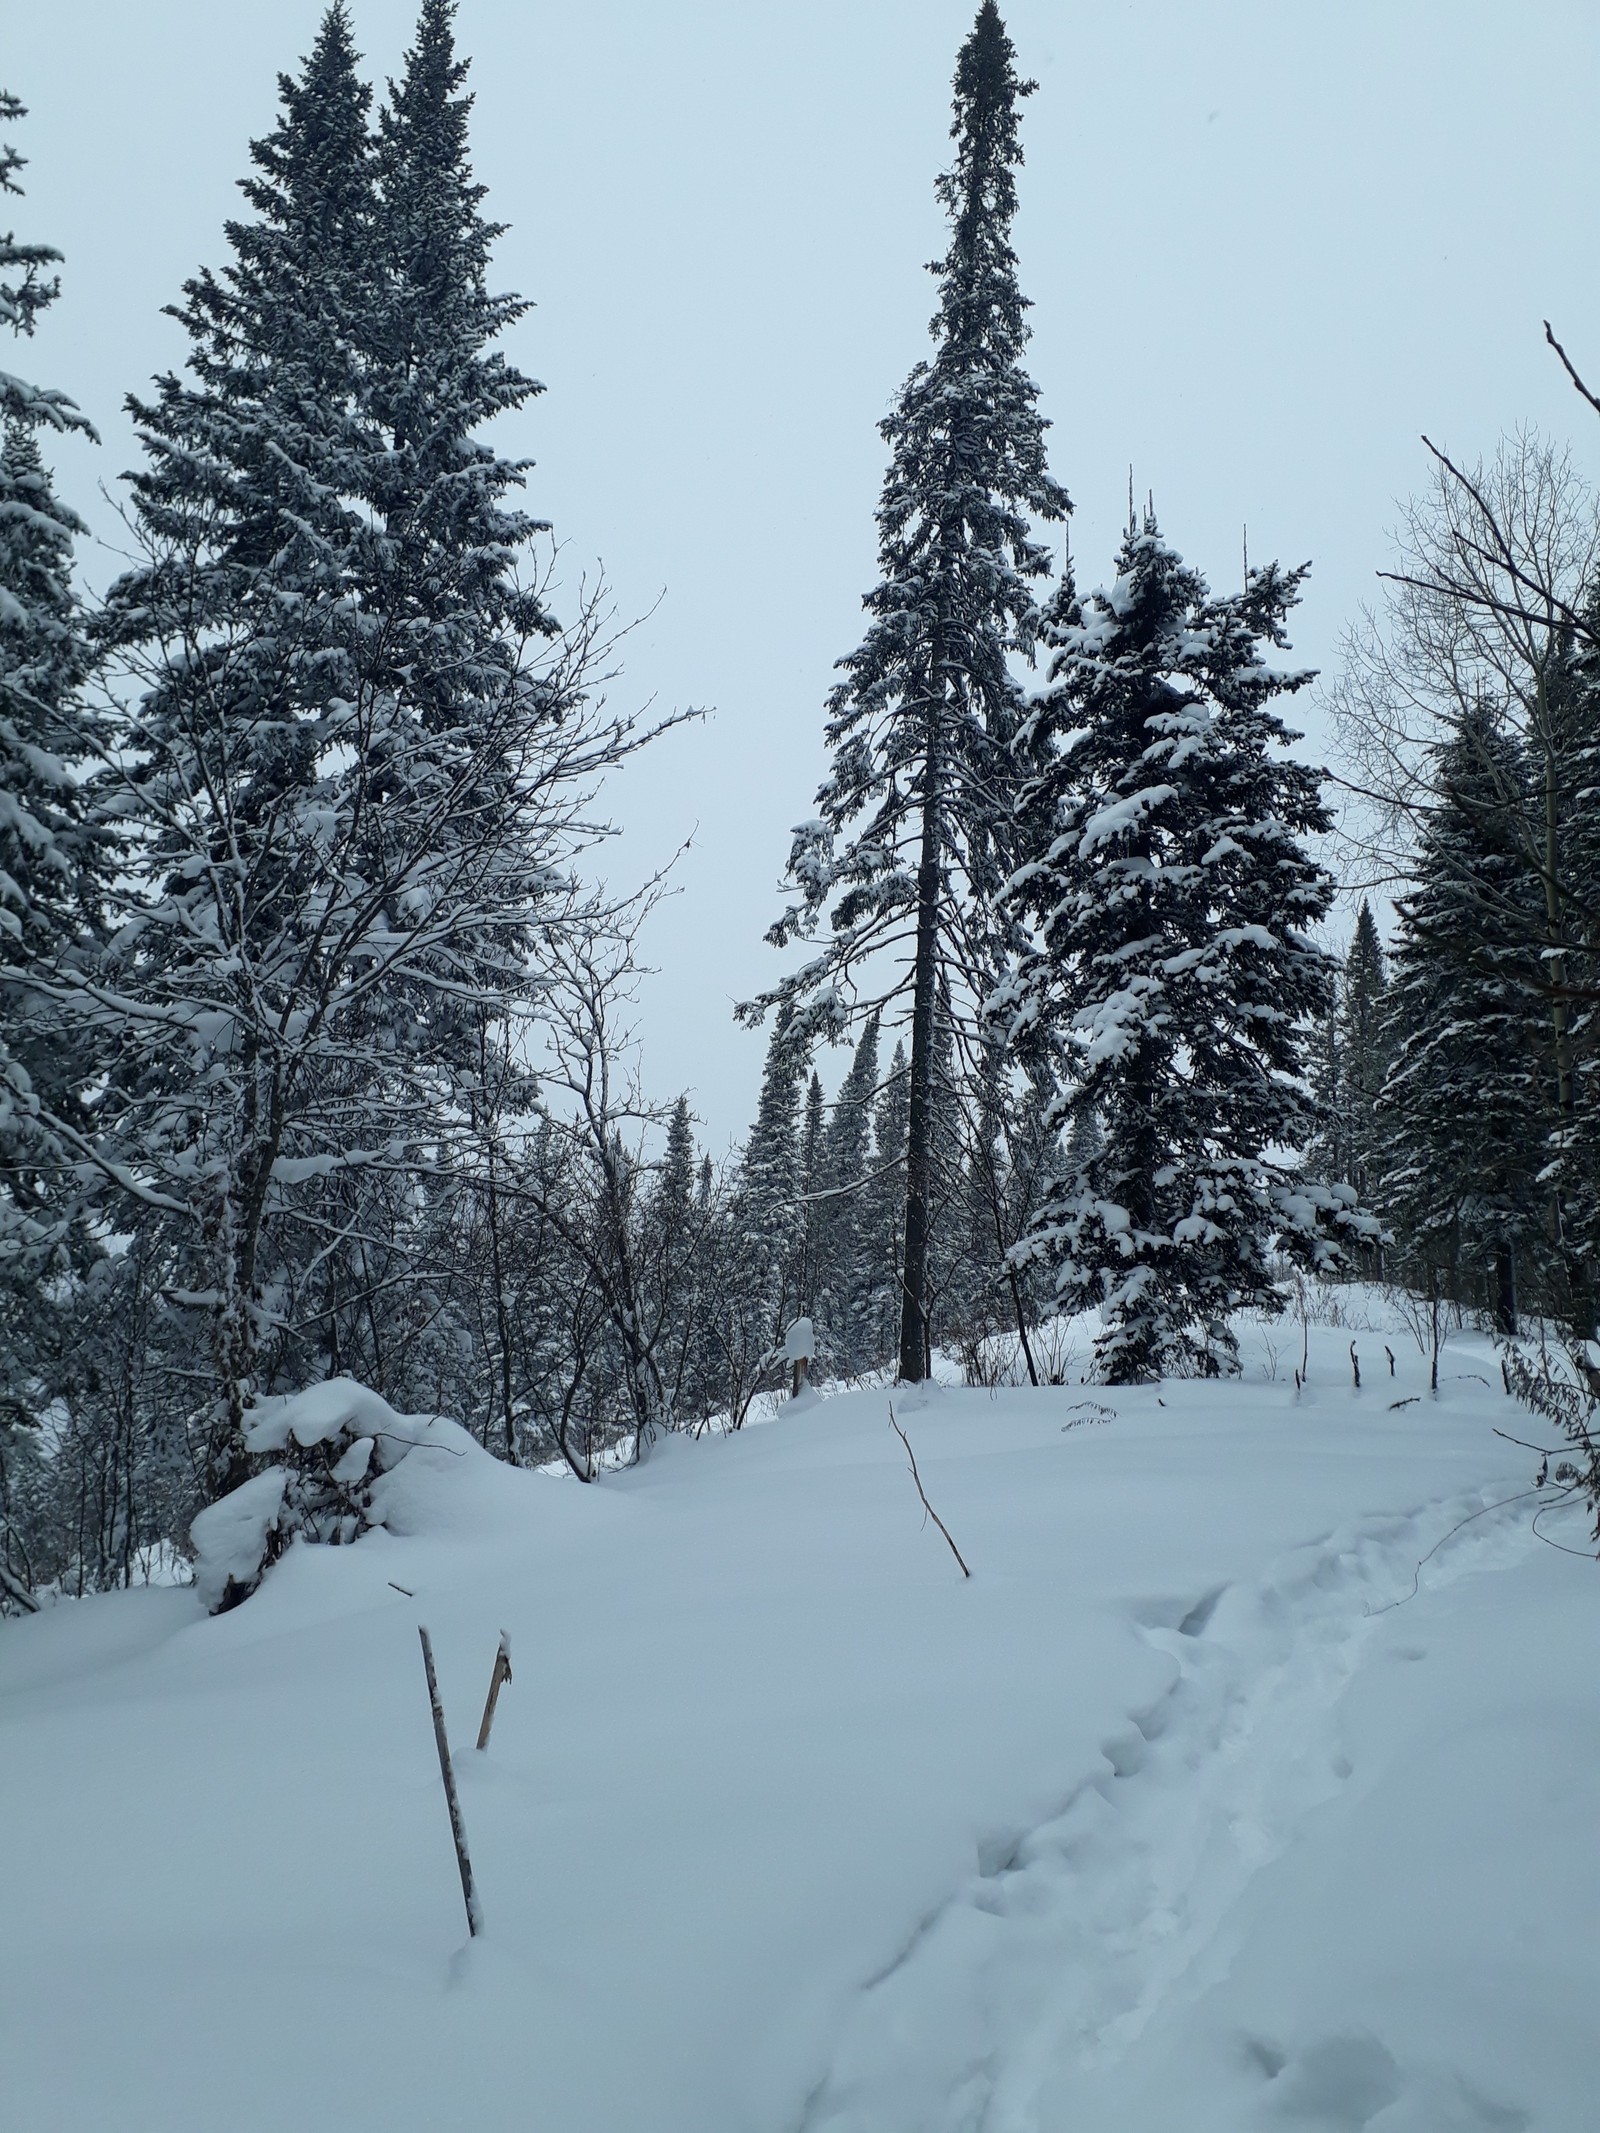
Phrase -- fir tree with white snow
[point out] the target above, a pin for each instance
(897, 875)
(1176, 975)
(1468, 1095)
(52, 862)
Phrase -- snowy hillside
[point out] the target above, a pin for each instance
(1169, 1818)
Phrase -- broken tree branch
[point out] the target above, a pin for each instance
(469, 1893)
(502, 1673)
(922, 1492)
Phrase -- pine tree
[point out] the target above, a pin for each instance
(1175, 972)
(1462, 1109)
(920, 725)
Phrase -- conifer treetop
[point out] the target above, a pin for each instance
(26, 290)
(927, 702)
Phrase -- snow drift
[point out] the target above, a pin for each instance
(1199, 1805)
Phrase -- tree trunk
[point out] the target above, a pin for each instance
(914, 1346)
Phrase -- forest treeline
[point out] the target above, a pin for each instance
(317, 1052)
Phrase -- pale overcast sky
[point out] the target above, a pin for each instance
(1267, 243)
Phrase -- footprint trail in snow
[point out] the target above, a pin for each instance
(1044, 1971)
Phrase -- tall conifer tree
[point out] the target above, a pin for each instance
(51, 862)
(885, 1201)
(846, 1258)
(769, 1211)
(52, 869)
(1175, 969)
(1463, 1113)
(897, 875)
(358, 793)
(241, 631)
(1363, 1053)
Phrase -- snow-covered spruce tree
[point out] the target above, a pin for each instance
(1463, 1114)
(1363, 1054)
(358, 778)
(811, 1139)
(51, 860)
(1175, 970)
(1349, 1065)
(846, 1265)
(1493, 604)
(989, 1292)
(52, 865)
(768, 1208)
(898, 874)
(240, 644)
(1564, 751)
(884, 1207)
(448, 629)
(678, 1229)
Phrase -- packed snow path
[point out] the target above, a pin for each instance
(1019, 2000)
(1157, 1822)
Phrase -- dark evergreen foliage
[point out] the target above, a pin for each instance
(847, 1267)
(53, 866)
(52, 863)
(898, 873)
(1463, 1114)
(1176, 976)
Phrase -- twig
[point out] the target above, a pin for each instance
(1416, 1574)
(469, 1893)
(502, 1673)
(1083, 1411)
(1555, 1504)
(1566, 364)
(1545, 1451)
(928, 1507)
(1355, 1366)
(1412, 1402)
(406, 1589)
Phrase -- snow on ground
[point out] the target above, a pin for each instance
(1170, 1817)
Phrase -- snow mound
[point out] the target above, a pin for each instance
(1242, 1788)
(342, 1448)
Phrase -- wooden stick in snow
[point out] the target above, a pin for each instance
(928, 1507)
(469, 1893)
(502, 1672)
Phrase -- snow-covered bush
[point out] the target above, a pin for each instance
(335, 1443)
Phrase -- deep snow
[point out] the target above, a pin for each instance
(1169, 1817)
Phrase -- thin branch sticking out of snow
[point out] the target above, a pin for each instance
(928, 1507)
